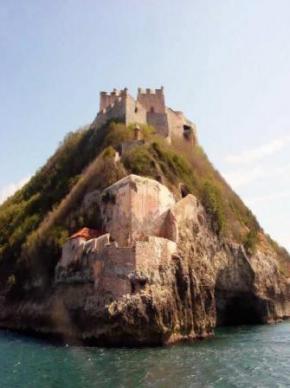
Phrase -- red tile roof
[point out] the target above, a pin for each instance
(86, 233)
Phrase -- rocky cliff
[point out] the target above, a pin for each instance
(170, 259)
(154, 296)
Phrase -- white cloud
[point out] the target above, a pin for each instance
(11, 188)
(282, 239)
(245, 176)
(286, 243)
(258, 153)
(268, 198)
(240, 178)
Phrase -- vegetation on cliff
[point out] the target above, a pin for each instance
(35, 222)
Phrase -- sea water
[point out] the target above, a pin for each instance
(244, 356)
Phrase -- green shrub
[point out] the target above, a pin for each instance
(174, 166)
(109, 153)
(139, 161)
(147, 131)
(117, 134)
(250, 241)
(212, 201)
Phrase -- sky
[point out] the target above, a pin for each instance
(225, 64)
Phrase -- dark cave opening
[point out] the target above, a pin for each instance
(239, 308)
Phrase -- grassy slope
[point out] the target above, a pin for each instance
(38, 218)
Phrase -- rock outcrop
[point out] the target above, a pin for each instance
(157, 275)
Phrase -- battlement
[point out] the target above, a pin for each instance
(115, 92)
(148, 108)
(151, 91)
(109, 98)
(117, 101)
(152, 100)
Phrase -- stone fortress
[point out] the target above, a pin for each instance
(141, 221)
(140, 216)
(154, 266)
(149, 108)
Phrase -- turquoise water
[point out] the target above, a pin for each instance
(256, 356)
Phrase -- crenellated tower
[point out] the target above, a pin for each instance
(153, 100)
(148, 108)
(108, 99)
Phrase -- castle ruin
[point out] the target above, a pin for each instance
(141, 221)
(140, 217)
(148, 108)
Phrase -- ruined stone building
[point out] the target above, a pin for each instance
(139, 215)
(148, 108)
(141, 221)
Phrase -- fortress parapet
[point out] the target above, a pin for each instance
(150, 91)
(107, 99)
(148, 108)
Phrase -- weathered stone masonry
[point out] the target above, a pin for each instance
(140, 217)
(149, 108)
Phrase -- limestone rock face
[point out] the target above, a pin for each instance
(154, 282)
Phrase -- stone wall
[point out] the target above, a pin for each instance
(115, 111)
(152, 100)
(177, 123)
(71, 251)
(142, 219)
(135, 112)
(112, 274)
(107, 99)
(77, 257)
(115, 267)
(154, 103)
(111, 268)
(154, 252)
(120, 265)
(160, 122)
(122, 107)
(149, 108)
(134, 208)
